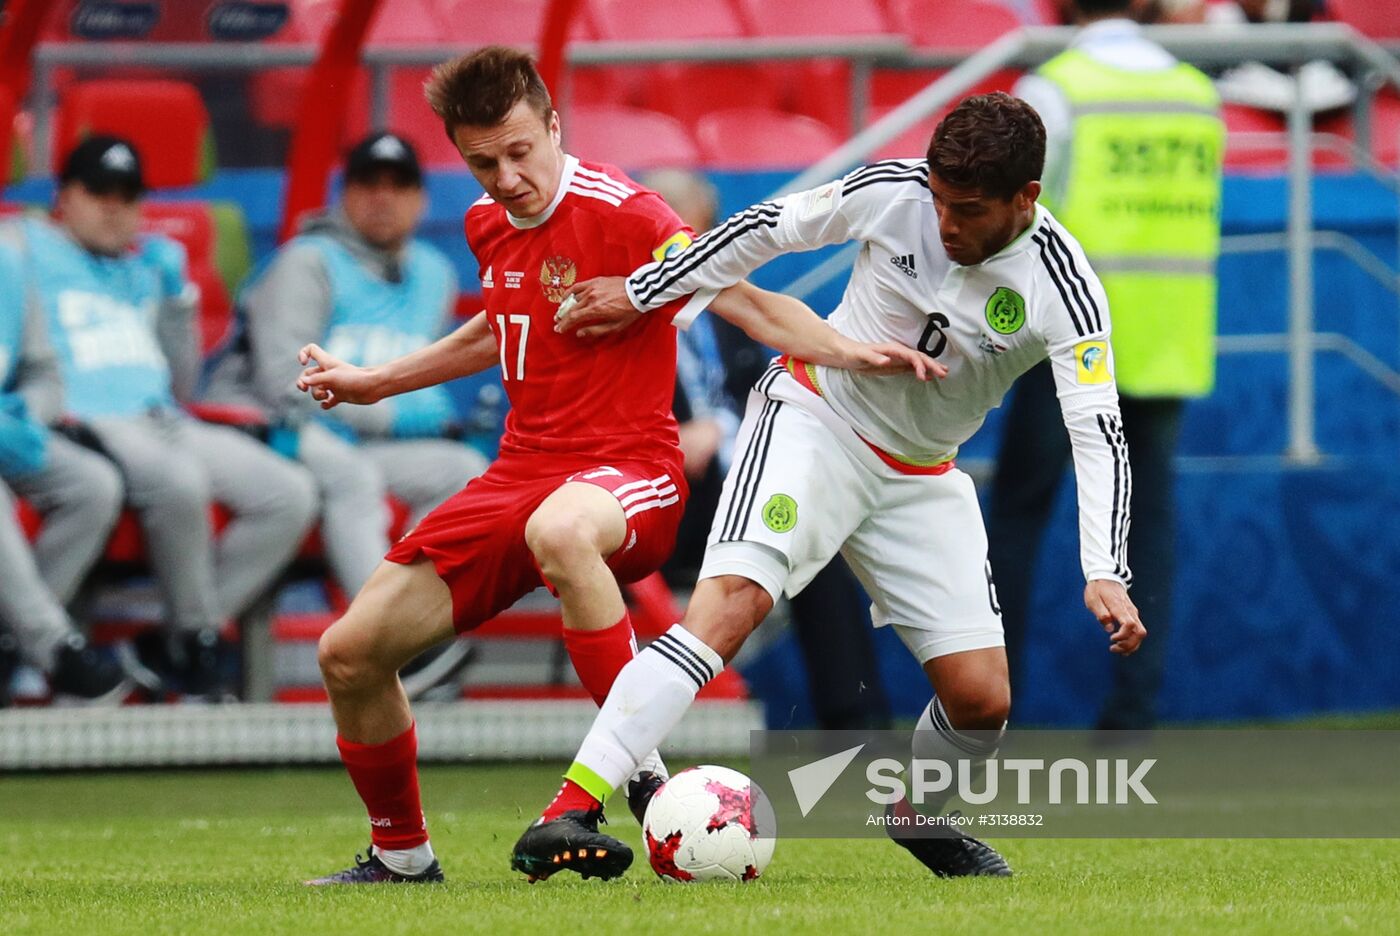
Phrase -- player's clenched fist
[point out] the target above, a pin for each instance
(1109, 602)
(330, 380)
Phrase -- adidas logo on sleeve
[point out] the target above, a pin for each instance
(906, 265)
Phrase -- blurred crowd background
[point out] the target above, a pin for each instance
(181, 525)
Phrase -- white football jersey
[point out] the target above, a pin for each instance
(988, 323)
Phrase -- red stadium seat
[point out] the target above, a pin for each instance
(628, 137)
(410, 115)
(757, 138)
(501, 22)
(400, 22)
(6, 133)
(911, 144)
(165, 120)
(953, 24)
(1385, 134)
(1271, 154)
(769, 18)
(1379, 19)
(688, 92)
(645, 22)
(190, 223)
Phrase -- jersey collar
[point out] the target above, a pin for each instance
(565, 177)
(1022, 241)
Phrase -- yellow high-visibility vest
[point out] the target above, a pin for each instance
(1142, 195)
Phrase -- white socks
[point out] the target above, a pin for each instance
(936, 739)
(409, 861)
(647, 700)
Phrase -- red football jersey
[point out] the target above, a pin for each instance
(601, 399)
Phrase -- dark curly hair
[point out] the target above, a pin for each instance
(992, 143)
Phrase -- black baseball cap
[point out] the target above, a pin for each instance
(383, 151)
(105, 164)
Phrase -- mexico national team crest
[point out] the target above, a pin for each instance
(1006, 311)
(780, 513)
(557, 276)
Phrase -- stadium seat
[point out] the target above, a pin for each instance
(953, 24)
(758, 138)
(1385, 134)
(398, 23)
(911, 144)
(829, 18)
(688, 92)
(649, 22)
(176, 149)
(1258, 153)
(6, 136)
(1379, 19)
(628, 137)
(410, 115)
(501, 22)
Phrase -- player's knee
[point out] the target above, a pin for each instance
(346, 661)
(559, 542)
(985, 708)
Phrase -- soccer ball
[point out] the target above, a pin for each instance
(709, 824)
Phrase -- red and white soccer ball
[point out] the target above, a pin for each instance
(709, 824)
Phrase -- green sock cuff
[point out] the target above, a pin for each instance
(593, 784)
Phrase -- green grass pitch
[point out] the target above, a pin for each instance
(211, 853)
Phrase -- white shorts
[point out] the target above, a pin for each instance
(804, 486)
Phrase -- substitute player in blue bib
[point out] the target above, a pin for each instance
(959, 261)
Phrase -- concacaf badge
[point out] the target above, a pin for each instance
(557, 275)
(1091, 362)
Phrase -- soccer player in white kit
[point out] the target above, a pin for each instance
(834, 460)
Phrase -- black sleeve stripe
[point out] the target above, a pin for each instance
(884, 165)
(1055, 247)
(687, 260)
(918, 178)
(1069, 257)
(1122, 493)
(1055, 278)
(655, 274)
(1127, 523)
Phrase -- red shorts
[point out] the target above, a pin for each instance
(476, 538)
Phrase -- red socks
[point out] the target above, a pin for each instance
(571, 796)
(386, 777)
(598, 656)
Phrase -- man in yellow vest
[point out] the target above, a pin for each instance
(1132, 169)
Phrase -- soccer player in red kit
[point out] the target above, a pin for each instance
(588, 489)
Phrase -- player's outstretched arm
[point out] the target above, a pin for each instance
(466, 351)
(788, 325)
(1108, 601)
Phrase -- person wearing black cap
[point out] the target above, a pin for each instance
(358, 282)
(78, 492)
(121, 314)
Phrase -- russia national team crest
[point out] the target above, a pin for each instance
(557, 276)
